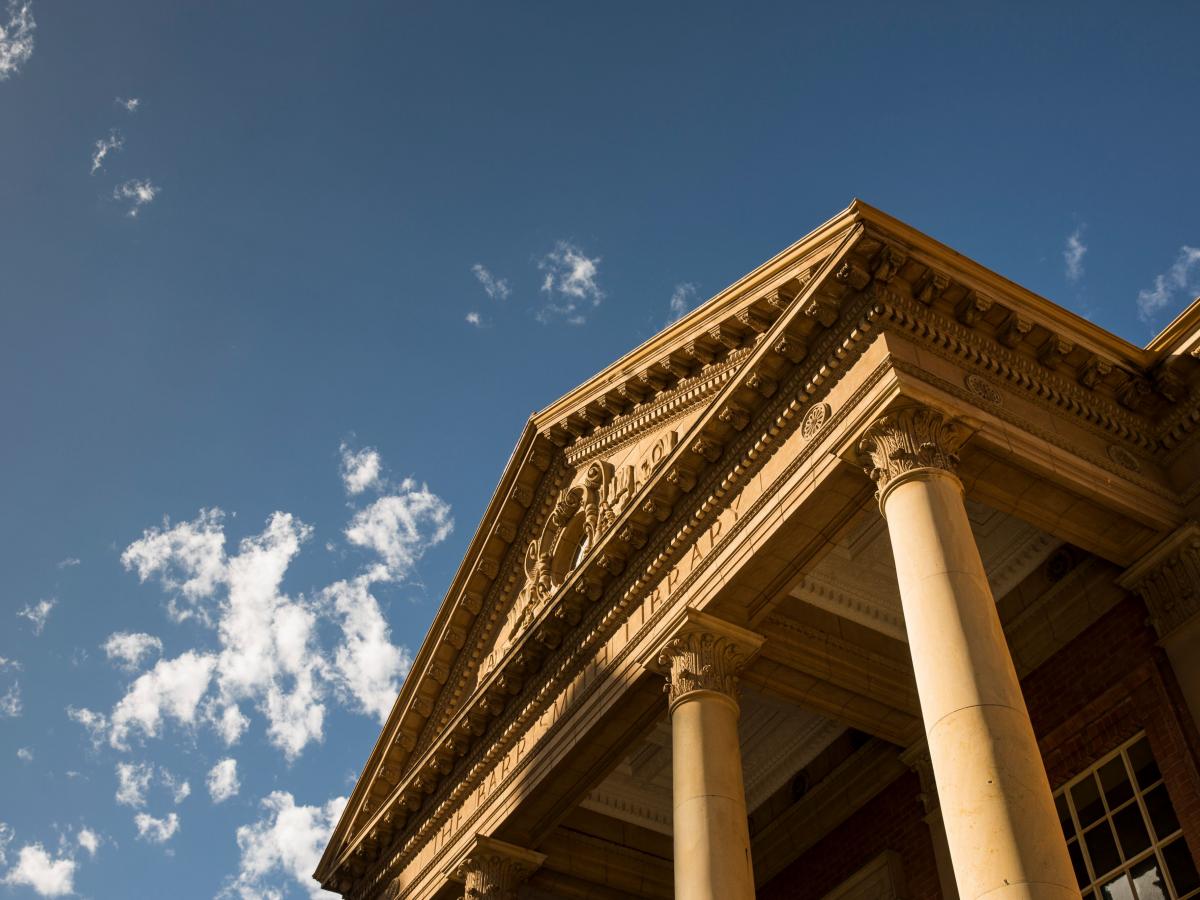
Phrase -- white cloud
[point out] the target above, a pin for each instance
(10, 702)
(128, 648)
(368, 666)
(1073, 254)
(1182, 277)
(473, 318)
(47, 875)
(25, 754)
(88, 840)
(223, 780)
(114, 142)
(174, 688)
(69, 562)
(285, 844)
(361, 469)
(496, 288)
(130, 104)
(138, 192)
(38, 613)
(180, 790)
(400, 527)
(681, 300)
(9, 664)
(188, 558)
(569, 282)
(156, 831)
(6, 838)
(16, 38)
(95, 723)
(133, 780)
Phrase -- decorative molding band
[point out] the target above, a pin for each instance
(1168, 579)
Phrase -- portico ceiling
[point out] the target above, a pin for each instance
(857, 578)
(777, 740)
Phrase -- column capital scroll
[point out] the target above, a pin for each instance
(704, 653)
(1168, 579)
(492, 869)
(909, 439)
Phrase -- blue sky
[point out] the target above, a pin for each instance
(268, 335)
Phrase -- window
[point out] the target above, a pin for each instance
(1122, 832)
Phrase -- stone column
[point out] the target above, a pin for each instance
(711, 834)
(1168, 581)
(493, 870)
(917, 758)
(1003, 833)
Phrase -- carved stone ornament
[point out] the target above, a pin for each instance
(1123, 458)
(701, 661)
(705, 653)
(917, 758)
(1168, 579)
(983, 389)
(814, 419)
(493, 870)
(910, 438)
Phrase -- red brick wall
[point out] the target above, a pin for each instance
(1104, 687)
(892, 821)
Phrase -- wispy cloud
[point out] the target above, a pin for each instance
(496, 288)
(361, 469)
(69, 563)
(137, 192)
(1183, 278)
(130, 104)
(283, 846)
(1073, 254)
(16, 38)
(156, 831)
(88, 840)
(223, 780)
(111, 144)
(569, 283)
(48, 876)
(473, 318)
(25, 754)
(10, 702)
(127, 649)
(38, 613)
(682, 299)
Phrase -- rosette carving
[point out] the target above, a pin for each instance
(701, 661)
(914, 437)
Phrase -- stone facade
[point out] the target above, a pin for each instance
(694, 651)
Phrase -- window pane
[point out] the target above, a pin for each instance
(1162, 814)
(1148, 881)
(1087, 801)
(1117, 889)
(1145, 769)
(1115, 780)
(1102, 849)
(1131, 830)
(1179, 862)
(1064, 816)
(1081, 874)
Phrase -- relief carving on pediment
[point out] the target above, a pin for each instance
(583, 512)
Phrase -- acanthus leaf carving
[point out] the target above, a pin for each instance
(909, 438)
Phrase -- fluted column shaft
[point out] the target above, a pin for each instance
(1002, 830)
(711, 833)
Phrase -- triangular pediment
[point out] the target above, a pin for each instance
(596, 474)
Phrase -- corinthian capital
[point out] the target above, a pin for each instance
(910, 438)
(705, 654)
(1168, 579)
(493, 870)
